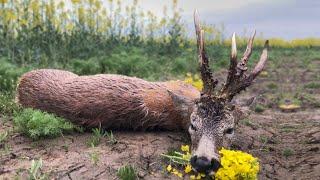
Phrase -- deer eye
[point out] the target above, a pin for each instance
(229, 131)
(192, 127)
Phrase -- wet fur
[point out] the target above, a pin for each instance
(114, 101)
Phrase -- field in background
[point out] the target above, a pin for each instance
(91, 37)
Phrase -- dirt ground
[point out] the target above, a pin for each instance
(287, 143)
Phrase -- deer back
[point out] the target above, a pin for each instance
(112, 101)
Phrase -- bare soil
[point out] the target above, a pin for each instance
(287, 143)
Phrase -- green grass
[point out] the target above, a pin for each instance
(35, 170)
(247, 122)
(95, 139)
(9, 74)
(263, 139)
(7, 104)
(272, 86)
(37, 124)
(259, 108)
(312, 85)
(3, 137)
(111, 138)
(127, 173)
(94, 156)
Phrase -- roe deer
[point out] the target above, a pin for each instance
(120, 102)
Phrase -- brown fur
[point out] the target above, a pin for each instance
(114, 101)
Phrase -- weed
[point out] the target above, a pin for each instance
(127, 173)
(37, 124)
(65, 147)
(3, 137)
(287, 152)
(7, 104)
(79, 129)
(312, 85)
(9, 74)
(247, 122)
(94, 156)
(287, 129)
(35, 170)
(259, 108)
(263, 139)
(111, 138)
(272, 86)
(3, 146)
(98, 134)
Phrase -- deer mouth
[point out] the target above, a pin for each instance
(204, 165)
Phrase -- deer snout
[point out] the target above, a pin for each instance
(204, 165)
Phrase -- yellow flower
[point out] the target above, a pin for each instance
(194, 81)
(237, 164)
(75, 1)
(188, 168)
(169, 168)
(198, 176)
(185, 148)
(3, 1)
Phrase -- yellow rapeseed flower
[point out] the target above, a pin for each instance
(169, 168)
(185, 148)
(195, 81)
(3, 1)
(75, 1)
(188, 168)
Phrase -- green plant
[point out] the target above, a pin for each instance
(259, 108)
(3, 137)
(37, 124)
(35, 170)
(111, 138)
(7, 104)
(287, 152)
(94, 156)
(98, 134)
(272, 86)
(247, 122)
(127, 173)
(263, 139)
(312, 85)
(9, 74)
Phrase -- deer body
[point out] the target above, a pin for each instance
(114, 101)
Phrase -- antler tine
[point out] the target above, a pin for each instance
(246, 81)
(237, 80)
(232, 68)
(242, 65)
(206, 74)
(260, 65)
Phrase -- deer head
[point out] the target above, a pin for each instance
(214, 117)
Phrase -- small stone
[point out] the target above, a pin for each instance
(142, 174)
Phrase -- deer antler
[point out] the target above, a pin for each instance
(237, 80)
(206, 74)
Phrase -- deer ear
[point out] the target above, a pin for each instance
(181, 103)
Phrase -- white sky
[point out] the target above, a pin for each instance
(274, 18)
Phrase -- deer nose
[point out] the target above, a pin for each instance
(204, 165)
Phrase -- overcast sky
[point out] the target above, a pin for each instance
(287, 19)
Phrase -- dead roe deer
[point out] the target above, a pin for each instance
(120, 102)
